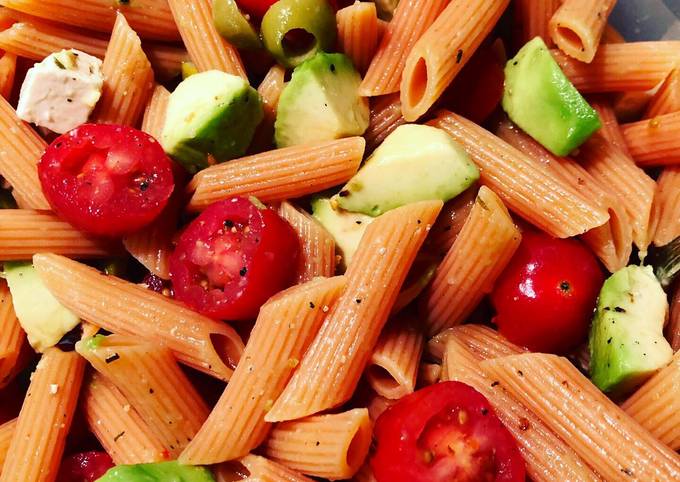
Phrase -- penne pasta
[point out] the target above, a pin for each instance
(24, 232)
(333, 364)
(150, 18)
(377, 405)
(128, 78)
(152, 381)
(667, 99)
(121, 430)
(610, 130)
(652, 142)
(555, 391)
(284, 328)
(154, 111)
(482, 341)
(270, 90)
(622, 67)
(443, 50)
(8, 67)
(333, 446)
(20, 150)
(127, 309)
(410, 21)
(533, 17)
(611, 35)
(655, 405)
(673, 328)
(523, 185)
(317, 246)
(12, 336)
(384, 119)
(548, 458)
(206, 47)
(577, 27)
(7, 430)
(358, 33)
(429, 374)
(261, 468)
(667, 206)
(451, 221)
(467, 273)
(280, 174)
(35, 452)
(393, 366)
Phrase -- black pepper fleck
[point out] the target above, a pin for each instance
(459, 56)
(112, 358)
(243, 271)
(311, 305)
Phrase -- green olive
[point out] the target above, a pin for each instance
(295, 30)
(234, 26)
(188, 69)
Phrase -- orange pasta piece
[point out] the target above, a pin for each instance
(24, 232)
(317, 246)
(482, 341)
(384, 119)
(611, 36)
(358, 33)
(8, 67)
(128, 78)
(150, 18)
(154, 111)
(655, 405)
(377, 404)
(611, 130)
(285, 326)
(465, 275)
(125, 308)
(578, 25)
(533, 17)
(334, 362)
(256, 468)
(653, 142)
(270, 90)
(45, 419)
(548, 458)
(622, 67)
(667, 98)
(150, 378)
(393, 366)
(206, 47)
(279, 174)
(614, 445)
(667, 206)
(332, 446)
(20, 150)
(12, 337)
(7, 430)
(443, 50)
(631, 105)
(673, 328)
(121, 430)
(410, 21)
(525, 186)
(451, 221)
(429, 374)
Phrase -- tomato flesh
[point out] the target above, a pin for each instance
(84, 467)
(544, 300)
(106, 180)
(441, 433)
(232, 258)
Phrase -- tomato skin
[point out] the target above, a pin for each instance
(84, 467)
(414, 436)
(106, 180)
(242, 268)
(544, 300)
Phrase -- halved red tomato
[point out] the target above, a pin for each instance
(84, 467)
(445, 432)
(107, 180)
(232, 258)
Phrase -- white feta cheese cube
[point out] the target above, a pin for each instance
(60, 92)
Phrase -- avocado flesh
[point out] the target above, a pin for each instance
(41, 316)
(414, 163)
(540, 99)
(210, 113)
(345, 227)
(626, 337)
(157, 472)
(321, 102)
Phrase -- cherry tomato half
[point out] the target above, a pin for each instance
(232, 258)
(445, 432)
(107, 180)
(544, 299)
(84, 467)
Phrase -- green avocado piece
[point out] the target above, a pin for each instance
(210, 112)
(321, 102)
(540, 99)
(414, 163)
(234, 26)
(345, 227)
(41, 316)
(287, 19)
(158, 472)
(626, 337)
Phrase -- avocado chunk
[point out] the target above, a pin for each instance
(321, 102)
(345, 227)
(626, 338)
(41, 316)
(540, 99)
(210, 113)
(157, 472)
(414, 163)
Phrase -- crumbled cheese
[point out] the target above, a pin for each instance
(60, 92)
